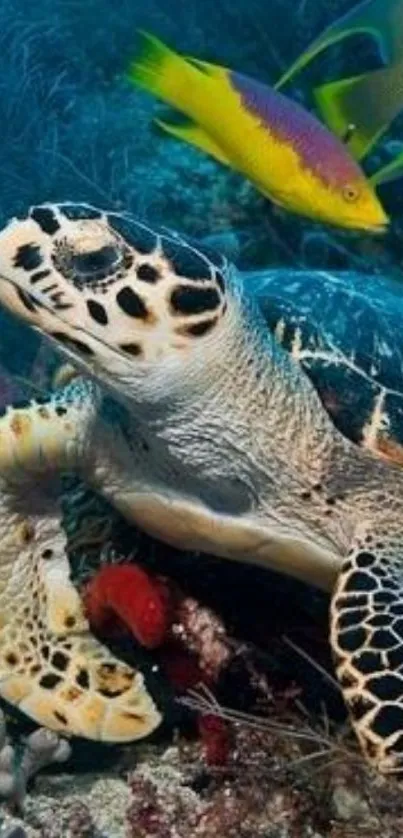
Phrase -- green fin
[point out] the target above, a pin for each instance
(369, 102)
(383, 19)
(392, 171)
(193, 134)
(149, 65)
(162, 71)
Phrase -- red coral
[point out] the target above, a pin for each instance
(126, 592)
(182, 668)
(216, 739)
(193, 639)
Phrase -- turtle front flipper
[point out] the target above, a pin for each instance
(52, 434)
(51, 667)
(367, 643)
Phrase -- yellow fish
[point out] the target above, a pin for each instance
(285, 151)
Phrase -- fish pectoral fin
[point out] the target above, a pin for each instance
(380, 19)
(392, 171)
(193, 134)
(362, 107)
(337, 111)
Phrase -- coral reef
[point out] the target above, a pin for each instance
(76, 806)
(247, 758)
(13, 831)
(272, 787)
(283, 779)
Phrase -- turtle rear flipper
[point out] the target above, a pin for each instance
(51, 667)
(367, 642)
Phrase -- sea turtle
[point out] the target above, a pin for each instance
(196, 423)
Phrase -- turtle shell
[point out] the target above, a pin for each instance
(346, 331)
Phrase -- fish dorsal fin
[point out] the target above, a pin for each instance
(193, 134)
(203, 66)
(369, 102)
(213, 71)
(382, 19)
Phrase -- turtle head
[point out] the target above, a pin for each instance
(123, 302)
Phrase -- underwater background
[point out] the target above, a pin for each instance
(74, 129)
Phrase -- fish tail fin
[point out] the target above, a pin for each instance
(163, 72)
(362, 108)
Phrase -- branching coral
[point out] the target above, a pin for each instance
(18, 765)
(13, 832)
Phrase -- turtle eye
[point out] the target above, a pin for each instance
(351, 193)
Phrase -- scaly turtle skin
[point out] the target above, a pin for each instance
(215, 438)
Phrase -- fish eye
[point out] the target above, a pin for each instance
(351, 193)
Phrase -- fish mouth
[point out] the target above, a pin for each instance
(379, 229)
(352, 230)
(381, 222)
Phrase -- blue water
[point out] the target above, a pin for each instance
(72, 128)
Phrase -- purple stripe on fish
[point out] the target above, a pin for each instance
(319, 150)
